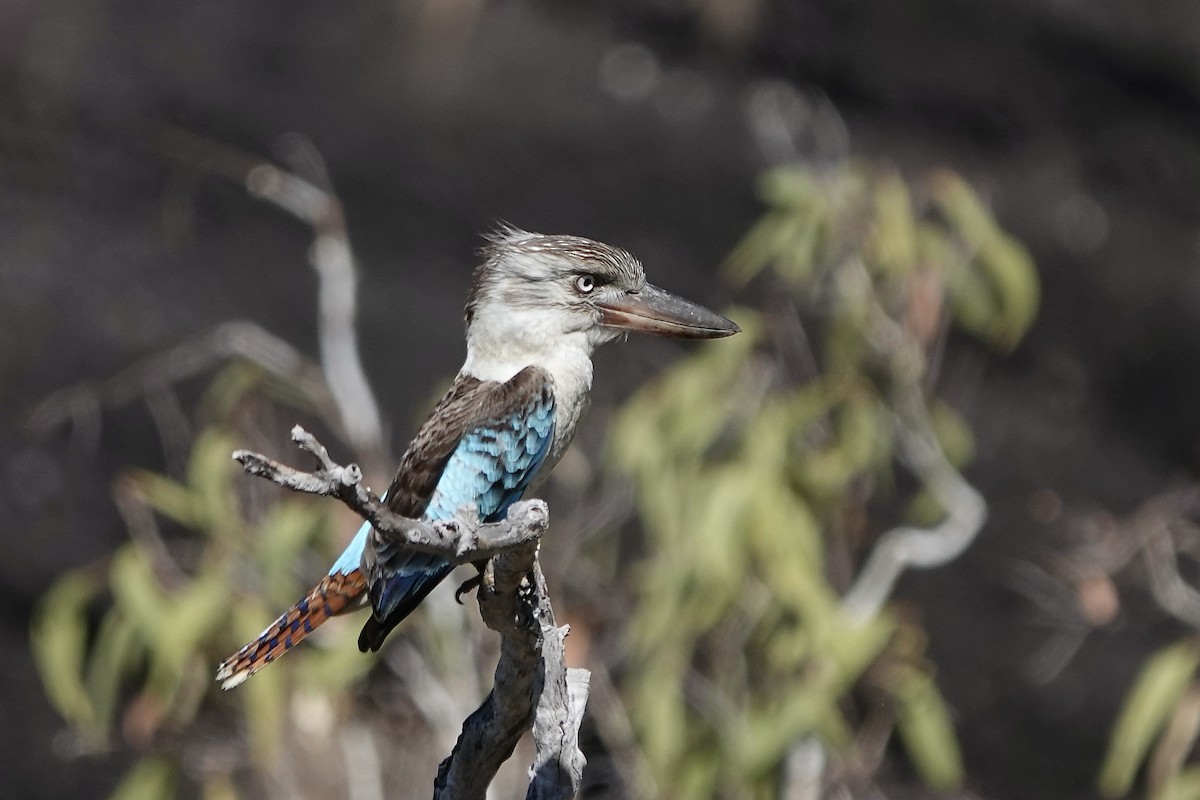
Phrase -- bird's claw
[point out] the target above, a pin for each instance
(468, 586)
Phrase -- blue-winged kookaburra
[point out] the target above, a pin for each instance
(537, 306)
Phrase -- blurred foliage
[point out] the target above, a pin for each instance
(131, 643)
(1158, 728)
(755, 460)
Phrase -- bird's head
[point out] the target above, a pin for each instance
(534, 291)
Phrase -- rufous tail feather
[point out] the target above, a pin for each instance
(334, 594)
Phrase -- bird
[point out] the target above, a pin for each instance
(537, 307)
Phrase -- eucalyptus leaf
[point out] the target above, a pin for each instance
(171, 499)
(893, 245)
(137, 592)
(953, 433)
(115, 653)
(263, 699)
(59, 642)
(1184, 785)
(190, 618)
(210, 472)
(285, 532)
(1158, 688)
(152, 778)
(743, 470)
(925, 727)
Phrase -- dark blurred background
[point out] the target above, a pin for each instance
(634, 123)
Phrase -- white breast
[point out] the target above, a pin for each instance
(568, 360)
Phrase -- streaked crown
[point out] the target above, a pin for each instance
(524, 271)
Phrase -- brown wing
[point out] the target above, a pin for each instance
(468, 404)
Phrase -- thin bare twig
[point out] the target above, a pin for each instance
(458, 540)
(238, 339)
(907, 546)
(304, 193)
(966, 510)
(333, 259)
(1172, 593)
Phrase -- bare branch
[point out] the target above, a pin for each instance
(1160, 552)
(558, 769)
(229, 340)
(531, 674)
(331, 256)
(460, 540)
(966, 509)
(333, 260)
(533, 687)
(907, 546)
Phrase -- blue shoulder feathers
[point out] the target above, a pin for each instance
(482, 446)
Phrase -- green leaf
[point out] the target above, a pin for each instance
(696, 778)
(1014, 285)
(718, 507)
(219, 787)
(137, 592)
(924, 725)
(661, 715)
(893, 244)
(851, 645)
(998, 298)
(963, 209)
(771, 727)
(152, 778)
(190, 618)
(210, 471)
(1155, 693)
(169, 498)
(953, 433)
(786, 545)
(861, 431)
(789, 186)
(758, 248)
(59, 642)
(797, 258)
(282, 537)
(116, 652)
(1183, 786)
(264, 695)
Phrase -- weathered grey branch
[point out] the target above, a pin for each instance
(533, 687)
(458, 540)
(1160, 553)
(906, 546)
(966, 509)
(558, 768)
(333, 259)
(305, 193)
(228, 340)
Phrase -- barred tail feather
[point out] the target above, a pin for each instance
(334, 594)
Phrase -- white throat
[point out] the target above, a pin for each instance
(502, 343)
(500, 346)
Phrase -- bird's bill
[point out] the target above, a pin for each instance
(652, 310)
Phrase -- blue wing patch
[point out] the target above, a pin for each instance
(351, 557)
(491, 467)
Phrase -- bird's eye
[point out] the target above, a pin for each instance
(585, 284)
